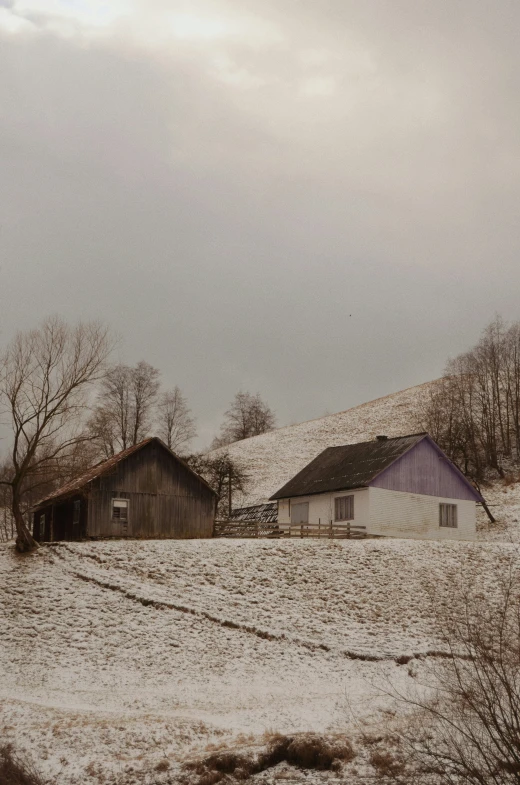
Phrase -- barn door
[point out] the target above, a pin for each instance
(119, 518)
(300, 513)
(76, 516)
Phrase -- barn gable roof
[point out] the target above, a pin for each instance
(354, 466)
(105, 467)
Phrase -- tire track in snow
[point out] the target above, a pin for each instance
(403, 659)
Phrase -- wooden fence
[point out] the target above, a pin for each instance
(333, 531)
(245, 529)
(248, 529)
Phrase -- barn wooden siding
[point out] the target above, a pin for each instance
(425, 470)
(162, 502)
(58, 521)
(166, 499)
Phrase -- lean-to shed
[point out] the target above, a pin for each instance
(144, 491)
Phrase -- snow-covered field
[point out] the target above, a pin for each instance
(117, 656)
(504, 502)
(120, 661)
(273, 458)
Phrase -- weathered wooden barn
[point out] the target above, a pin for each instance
(394, 487)
(145, 491)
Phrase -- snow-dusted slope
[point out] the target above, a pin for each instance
(119, 657)
(273, 458)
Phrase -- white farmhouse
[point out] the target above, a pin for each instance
(400, 487)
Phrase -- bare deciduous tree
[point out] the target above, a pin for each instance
(219, 471)
(474, 411)
(176, 425)
(247, 416)
(45, 377)
(124, 411)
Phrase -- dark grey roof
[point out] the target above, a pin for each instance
(347, 467)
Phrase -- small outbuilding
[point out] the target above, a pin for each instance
(144, 491)
(395, 487)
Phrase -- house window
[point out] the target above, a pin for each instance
(120, 510)
(75, 512)
(42, 528)
(300, 512)
(448, 515)
(344, 508)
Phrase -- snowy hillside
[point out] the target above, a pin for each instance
(273, 458)
(121, 660)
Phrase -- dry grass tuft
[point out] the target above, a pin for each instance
(304, 751)
(511, 478)
(386, 763)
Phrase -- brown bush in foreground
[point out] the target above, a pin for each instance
(13, 771)
(304, 751)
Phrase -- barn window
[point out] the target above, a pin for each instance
(448, 515)
(300, 512)
(344, 508)
(120, 510)
(42, 527)
(75, 512)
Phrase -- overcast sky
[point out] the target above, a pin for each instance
(317, 200)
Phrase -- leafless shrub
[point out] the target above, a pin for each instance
(468, 727)
(312, 751)
(14, 771)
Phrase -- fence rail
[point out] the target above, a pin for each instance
(252, 529)
(332, 530)
(245, 529)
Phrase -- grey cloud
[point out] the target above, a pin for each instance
(321, 250)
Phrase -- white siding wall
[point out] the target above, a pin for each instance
(391, 513)
(400, 514)
(321, 507)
